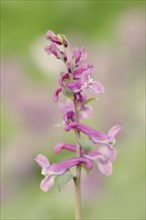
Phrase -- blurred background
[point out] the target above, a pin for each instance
(113, 33)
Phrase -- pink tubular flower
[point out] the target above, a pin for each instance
(67, 111)
(103, 157)
(51, 171)
(77, 73)
(53, 49)
(86, 83)
(71, 147)
(85, 112)
(96, 136)
(56, 94)
(80, 98)
(79, 54)
(89, 84)
(62, 78)
(74, 86)
(84, 67)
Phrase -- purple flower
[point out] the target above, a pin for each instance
(62, 78)
(85, 67)
(96, 136)
(80, 98)
(85, 112)
(68, 113)
(77, 73)
(89, 84)
(86, 83)
(53, 49)
(51, 171)
(79, 54)
(103, 157)
(56, 94)
(59, 39)
(52, 37)
(74, 86)
(71, 147)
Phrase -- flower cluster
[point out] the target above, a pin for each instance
(73, 84)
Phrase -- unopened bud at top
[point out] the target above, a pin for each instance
(59, 39)
(63, 40)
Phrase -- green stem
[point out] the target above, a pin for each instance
(77, 179)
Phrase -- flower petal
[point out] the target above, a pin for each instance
(71, 147)
(62, 78)
(42, 161)
(97, 87)
(67, 106)
(79, 54)
(108, 152)
(85, 67)
(69, 116)
(56, 94)
(105, 168)
(52, 37)
(53, 49)
(47, 183)
(80, 98)
(62, 167)
(74, 86)
(85, 77)
(85, 112)
(93, 155)
(59, 147)
(95, 136)
(114, 131)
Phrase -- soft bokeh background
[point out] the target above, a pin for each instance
(113, 33)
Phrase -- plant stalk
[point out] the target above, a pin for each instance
(77, 179)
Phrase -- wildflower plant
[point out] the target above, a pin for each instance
(97, 147)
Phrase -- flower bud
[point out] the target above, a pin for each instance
(63, 40)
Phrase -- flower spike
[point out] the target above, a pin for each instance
(74, 82)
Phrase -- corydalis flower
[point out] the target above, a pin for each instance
(53, 49)
(71, 147)
(68, 113)
(82, 68)
(59, 39)
(103, 156)
(79, 54)
(56, 94)
(96, 136)
(89, 84)
(77, 73)
(86, 83)
(51, 171)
